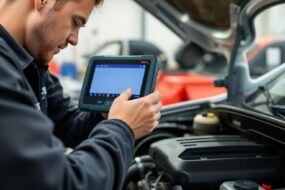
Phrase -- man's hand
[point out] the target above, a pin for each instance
(140, 114)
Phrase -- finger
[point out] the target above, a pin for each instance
(154, 97)
(157, 116)
(157, 107)
(158, 94)
(125, 95)
(156, 124)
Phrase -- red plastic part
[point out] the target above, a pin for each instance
(176, 88)
(53, 67)
(266, 187)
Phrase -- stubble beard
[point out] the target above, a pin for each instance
(43, 34)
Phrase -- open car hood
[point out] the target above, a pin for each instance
(222, 26)
(211, 24)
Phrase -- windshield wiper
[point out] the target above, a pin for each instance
(278, 110)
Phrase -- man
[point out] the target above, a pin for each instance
(34, 114)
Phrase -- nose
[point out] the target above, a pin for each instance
(73, 37)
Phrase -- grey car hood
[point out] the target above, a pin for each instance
(212, 24)
(223, 26)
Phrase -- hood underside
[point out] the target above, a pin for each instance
(210, 24)
(213, 14)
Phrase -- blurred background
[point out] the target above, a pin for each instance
(124, 28)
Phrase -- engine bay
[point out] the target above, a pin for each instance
(213, 149)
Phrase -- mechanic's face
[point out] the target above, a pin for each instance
(53, 28)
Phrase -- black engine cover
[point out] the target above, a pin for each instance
(207, 161)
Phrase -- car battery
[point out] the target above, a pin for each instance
(204, 162)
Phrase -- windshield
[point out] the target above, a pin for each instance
(276, 90)
(269, 96)
(210, 13)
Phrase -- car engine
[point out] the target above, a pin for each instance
(211, 154)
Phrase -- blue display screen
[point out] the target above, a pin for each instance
(113, 79)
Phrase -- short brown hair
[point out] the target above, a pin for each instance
(97, 2)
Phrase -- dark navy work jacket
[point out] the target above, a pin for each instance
(36, 124)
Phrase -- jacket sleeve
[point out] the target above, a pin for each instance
(31, 157)
(71, 124)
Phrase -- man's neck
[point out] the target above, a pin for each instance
(13, 18)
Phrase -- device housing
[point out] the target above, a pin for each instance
(108, 76)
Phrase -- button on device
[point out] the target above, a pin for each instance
(108, 103)
(99, 102)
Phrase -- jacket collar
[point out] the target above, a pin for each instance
(24, 58)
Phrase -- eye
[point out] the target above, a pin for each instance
(75, 23)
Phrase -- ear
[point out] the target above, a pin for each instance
(39, 4)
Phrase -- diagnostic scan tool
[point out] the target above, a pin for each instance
(107, 77)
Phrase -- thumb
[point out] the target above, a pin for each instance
(126, 94)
